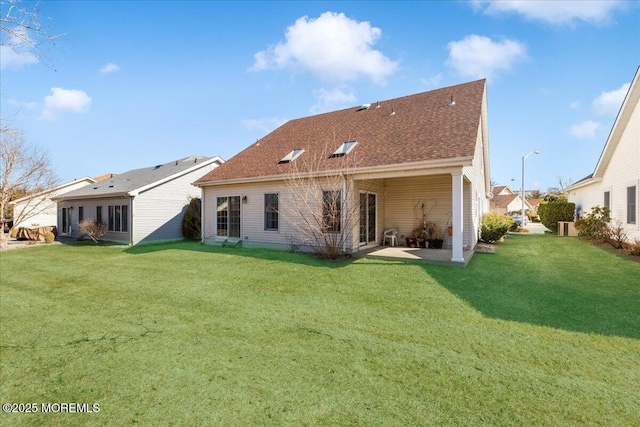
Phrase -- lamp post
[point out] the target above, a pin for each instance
(522, 194)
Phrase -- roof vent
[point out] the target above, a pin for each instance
(452, 102)
(393, 112)
(377, 104)
(364, 107)
(158, 167)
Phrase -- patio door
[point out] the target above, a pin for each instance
(367, 218)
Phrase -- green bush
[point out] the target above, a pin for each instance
(191, 221)
(495, 226)
(552, 212)
(49, 237)
(594, 224)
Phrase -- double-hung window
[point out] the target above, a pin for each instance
(228, 216)
(271, 212)
(631, 205)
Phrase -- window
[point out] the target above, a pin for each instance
(291, 156)
(228, 216)
(80, 213)
(99, 213)
(631, 205)
(344, 149)
(66, 220)
(118, 218)
(331, 210)
(271, 212)
(607, 199)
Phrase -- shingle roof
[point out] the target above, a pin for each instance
(132, 180)
(423, 127)
(503, 200)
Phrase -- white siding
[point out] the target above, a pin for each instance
(41, 211)
(89, 208)
(158, 212)
(623, 171)
(477, 195)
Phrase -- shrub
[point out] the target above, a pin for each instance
(13, 233)
(594, 224)
(49, 237)
(494, 226)
(552, 212)
(191, 222)
(632, 247)
(616, 235)
(92, 228)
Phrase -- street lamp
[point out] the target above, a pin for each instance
(522, 194)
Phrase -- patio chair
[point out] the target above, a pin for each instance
(390, 235)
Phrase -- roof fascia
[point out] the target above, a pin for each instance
(440, 166)
(59, 187)
(91, 196)
(582, 183)
(624, 115)
(137, 191)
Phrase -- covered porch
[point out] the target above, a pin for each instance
(447, 201)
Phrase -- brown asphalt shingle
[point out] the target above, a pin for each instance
(424, 127)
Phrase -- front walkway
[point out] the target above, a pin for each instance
(403, 253)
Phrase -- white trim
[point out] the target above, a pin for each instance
(59, 187)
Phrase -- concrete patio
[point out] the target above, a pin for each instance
(403, 253)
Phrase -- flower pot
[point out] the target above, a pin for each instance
(412, 242)
(450, 231)
(436, 243)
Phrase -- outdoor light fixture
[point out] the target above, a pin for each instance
(522, 193)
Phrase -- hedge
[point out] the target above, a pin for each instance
(552, 212)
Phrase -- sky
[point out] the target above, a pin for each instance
(131, 84)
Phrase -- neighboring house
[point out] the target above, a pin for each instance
(140, 206)
(420, 155)
(505, 200)
(535, 204)
(39, 210)
(615, 182)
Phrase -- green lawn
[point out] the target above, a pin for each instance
(546, 332)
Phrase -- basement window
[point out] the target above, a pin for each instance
(291, 156)
(344, 149)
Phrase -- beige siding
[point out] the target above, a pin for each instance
(476, 201)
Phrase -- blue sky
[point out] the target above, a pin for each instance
(133, 84)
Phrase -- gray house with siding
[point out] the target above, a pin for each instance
(139, 206)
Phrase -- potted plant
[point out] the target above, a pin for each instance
(420, 235)
(435, 237)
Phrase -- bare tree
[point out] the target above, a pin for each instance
(534, 194)
(324, 212)
(93, 228)
(23, 35)
(22, 168)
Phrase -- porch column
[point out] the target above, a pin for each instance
(457, 203)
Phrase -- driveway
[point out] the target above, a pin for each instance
(536, 228)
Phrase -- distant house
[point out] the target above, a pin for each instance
(39, 210)
(505, 200)
(615, 182)
(423, 156)
(140, 206)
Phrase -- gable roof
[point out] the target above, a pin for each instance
(502, 201)
(133, 182)
(415, 128)
(629, 104)
(56, 189)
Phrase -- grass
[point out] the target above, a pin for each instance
(546, 332)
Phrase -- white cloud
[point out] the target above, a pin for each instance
(17, 51)
(575, 105)
(110, 67)
(330, 100)
(64, 101)
(433, 81)
(584, 130)
(332, 47)
(479, 57)
(265, 125)
(609, 103)
(553, 12)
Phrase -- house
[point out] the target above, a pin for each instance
(423, 157)
(39, 210)
(140, 206)
(505, 201)
(615, 182)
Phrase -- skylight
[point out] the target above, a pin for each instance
(344, 149)
(291, 156)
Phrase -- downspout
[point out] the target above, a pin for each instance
(130, 220)
(344, 198)
(202, 217)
